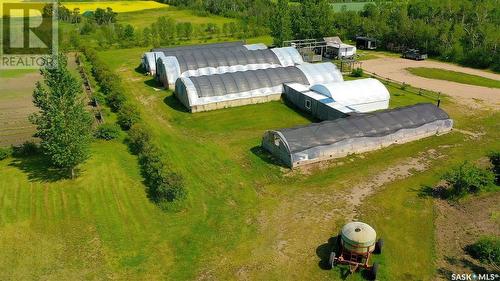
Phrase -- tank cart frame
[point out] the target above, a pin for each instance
(355, 260)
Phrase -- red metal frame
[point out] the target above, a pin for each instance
(354, 260)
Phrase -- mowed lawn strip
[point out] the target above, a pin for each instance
(454, 76)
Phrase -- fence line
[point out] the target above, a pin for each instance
(436, 96)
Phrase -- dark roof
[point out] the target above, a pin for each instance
(242, 81)
(225, 57)
(361, 125)
(365, 38)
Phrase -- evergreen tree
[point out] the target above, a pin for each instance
(281, 28)
(63, 124)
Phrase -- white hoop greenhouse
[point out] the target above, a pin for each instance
(218, 61)
(216, 91)
(148, 60)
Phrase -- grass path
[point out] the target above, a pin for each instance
(454, 76)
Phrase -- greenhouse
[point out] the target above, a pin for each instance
(356, 133)
(218, 61)
(333, 100)
(148, 60)
(230, 89)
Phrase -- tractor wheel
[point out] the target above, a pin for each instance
(339, 242)
(374, 271)
(332, 259)
(378, 246)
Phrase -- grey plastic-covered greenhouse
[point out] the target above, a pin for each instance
(148, 60)
(356, 133)
(230, 89)
(218, 61)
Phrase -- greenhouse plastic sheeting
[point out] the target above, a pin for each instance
(363, 95)
(148, 60)
(218, 61)
(356, 133)
(193, 91)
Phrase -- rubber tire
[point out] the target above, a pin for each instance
(331, 261)
(374, 271)
(379, 246)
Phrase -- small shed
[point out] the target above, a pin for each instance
(335, 48)
(366, 43)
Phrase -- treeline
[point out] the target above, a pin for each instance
(164, 187)
(164, 31)
(462, 31)
(254, 14)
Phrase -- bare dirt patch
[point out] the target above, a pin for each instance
(472, 96)
(15, 107)
(459, 225)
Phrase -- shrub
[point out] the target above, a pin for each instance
(495, 161)
(26, 149)
(107, 131)
(358, 72)
(115, 100)
(128, 116)
(138, 138)
(5, 152)
(467, 178)
(164, 186)
(486, 249)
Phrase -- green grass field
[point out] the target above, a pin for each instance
(459, 77)
(144, 18)
(246, 217)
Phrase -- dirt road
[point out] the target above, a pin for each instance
(473, 96)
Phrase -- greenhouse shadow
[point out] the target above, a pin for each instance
(263, 154)
(174, 103)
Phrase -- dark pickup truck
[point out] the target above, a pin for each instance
(414, 54)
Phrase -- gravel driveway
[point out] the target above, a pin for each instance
(473, 96)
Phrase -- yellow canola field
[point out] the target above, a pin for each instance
(117, 6)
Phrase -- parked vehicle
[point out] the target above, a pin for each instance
(414, 54)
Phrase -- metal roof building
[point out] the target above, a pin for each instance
(230, 89)
(148, 60)
(333, 100)
(218, 61)
(356, 133)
